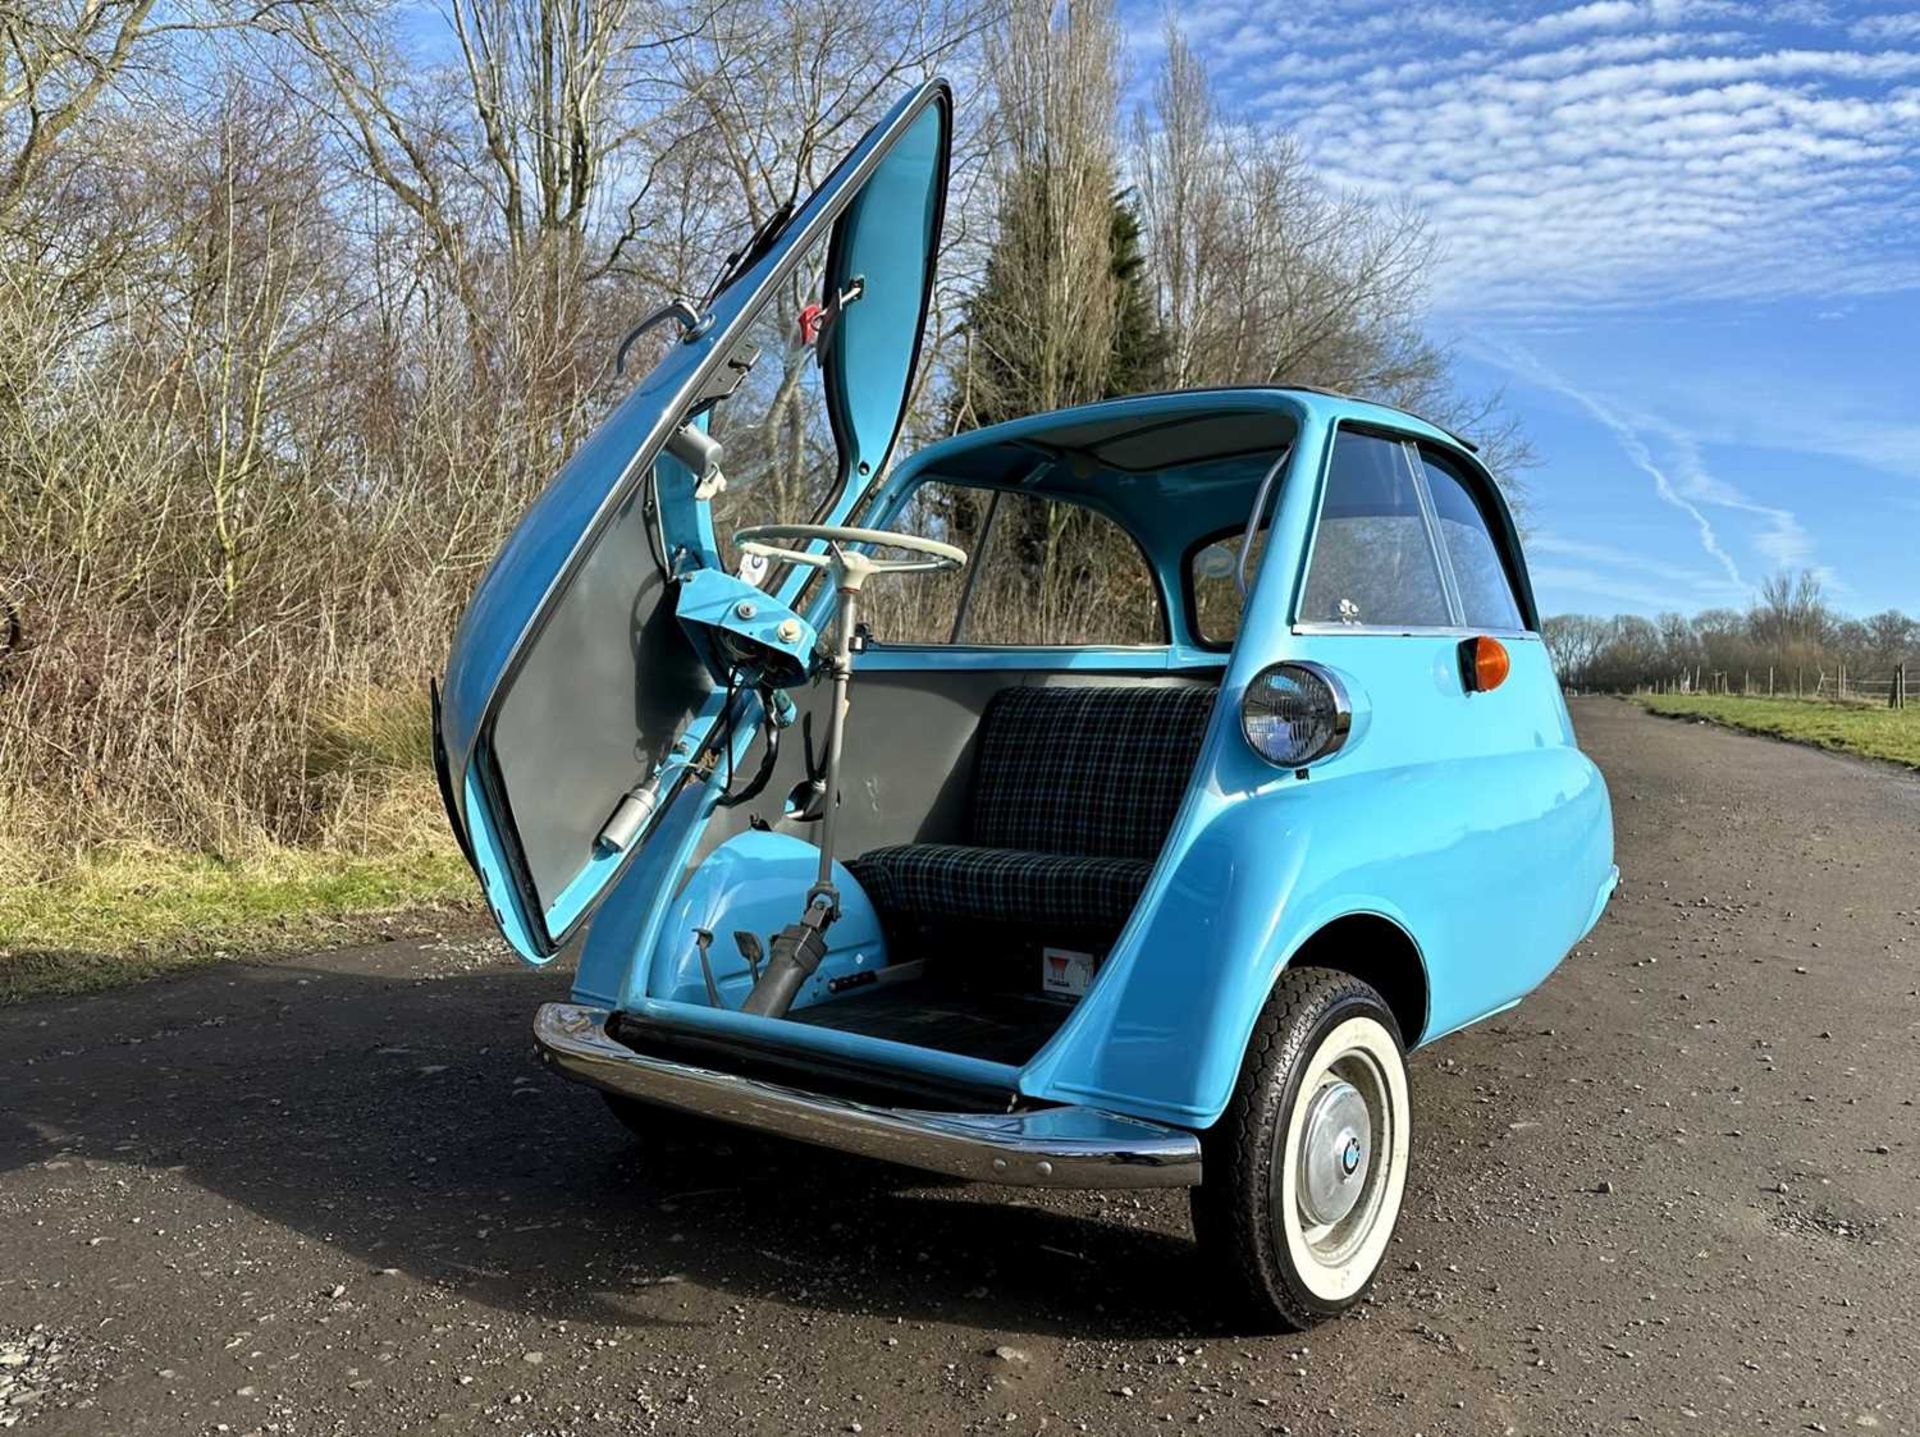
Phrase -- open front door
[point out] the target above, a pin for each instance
(572, 685)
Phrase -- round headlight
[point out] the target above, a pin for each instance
(1294, 714)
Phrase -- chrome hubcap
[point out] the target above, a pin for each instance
(1340, 1161)
(1335, 1153)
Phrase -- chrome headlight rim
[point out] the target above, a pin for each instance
(1340, 729)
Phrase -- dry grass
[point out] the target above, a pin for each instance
(110, 884)
(1871, 732)
(121, 915)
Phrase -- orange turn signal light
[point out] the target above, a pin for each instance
(1484, 664)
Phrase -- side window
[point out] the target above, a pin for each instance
(1213, 573)
(1373, 562)
(921, 608)
(1038, 572)
(1486, 590)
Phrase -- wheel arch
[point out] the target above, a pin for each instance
(1378, 951)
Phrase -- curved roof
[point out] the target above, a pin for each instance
(1105, 423)
(1171, 468)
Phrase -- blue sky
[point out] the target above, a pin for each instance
(1682, 236)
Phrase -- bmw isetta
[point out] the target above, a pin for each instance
(1107, 798)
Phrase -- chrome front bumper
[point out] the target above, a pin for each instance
(1061, 1147)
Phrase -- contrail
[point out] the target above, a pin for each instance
(1630, 443)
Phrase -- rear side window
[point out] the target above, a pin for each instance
(1214, 572)
(1486, 589)
(1373, 562)
(1038, 572)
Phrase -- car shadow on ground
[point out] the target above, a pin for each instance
(404, 1121)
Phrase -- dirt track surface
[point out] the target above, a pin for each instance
(1675, 1191)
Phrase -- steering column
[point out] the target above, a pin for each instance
(796, 951)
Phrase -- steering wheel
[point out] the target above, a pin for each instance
(851, 570)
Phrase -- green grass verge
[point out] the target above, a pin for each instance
(114, 918)
(1892, 734)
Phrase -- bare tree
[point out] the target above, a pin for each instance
(1786, 641)
(1188, 218)
(293, 324)
(1573, 642)
(1791, 610)
(1265, 275)
(1042, 334)
(56, 63)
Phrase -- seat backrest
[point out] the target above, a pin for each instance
(1090, 770)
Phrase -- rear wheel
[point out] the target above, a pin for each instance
(1305, 1171)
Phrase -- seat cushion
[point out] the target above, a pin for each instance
(960, 881)
(1074, 791)
(1096, 770)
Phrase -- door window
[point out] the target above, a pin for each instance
(1373, 561)
(1486, 590)
(782, 463)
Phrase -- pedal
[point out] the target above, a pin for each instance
(702, 941)
(750, 949)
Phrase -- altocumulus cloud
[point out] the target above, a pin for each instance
(1619, 152)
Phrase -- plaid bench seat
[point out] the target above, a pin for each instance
(1074, 791)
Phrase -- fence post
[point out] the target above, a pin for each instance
(1897, 694)
(1769, 680)
(1796, 681)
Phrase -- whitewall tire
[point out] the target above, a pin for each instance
(1305, 1172)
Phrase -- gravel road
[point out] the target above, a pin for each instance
(1675, 1191)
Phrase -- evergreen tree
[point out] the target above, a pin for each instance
(1005, 372)
(1138, 364)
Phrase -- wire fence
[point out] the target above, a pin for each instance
(1823, 685)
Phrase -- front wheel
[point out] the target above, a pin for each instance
(1304, 1173)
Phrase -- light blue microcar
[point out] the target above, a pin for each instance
(1107, 798)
